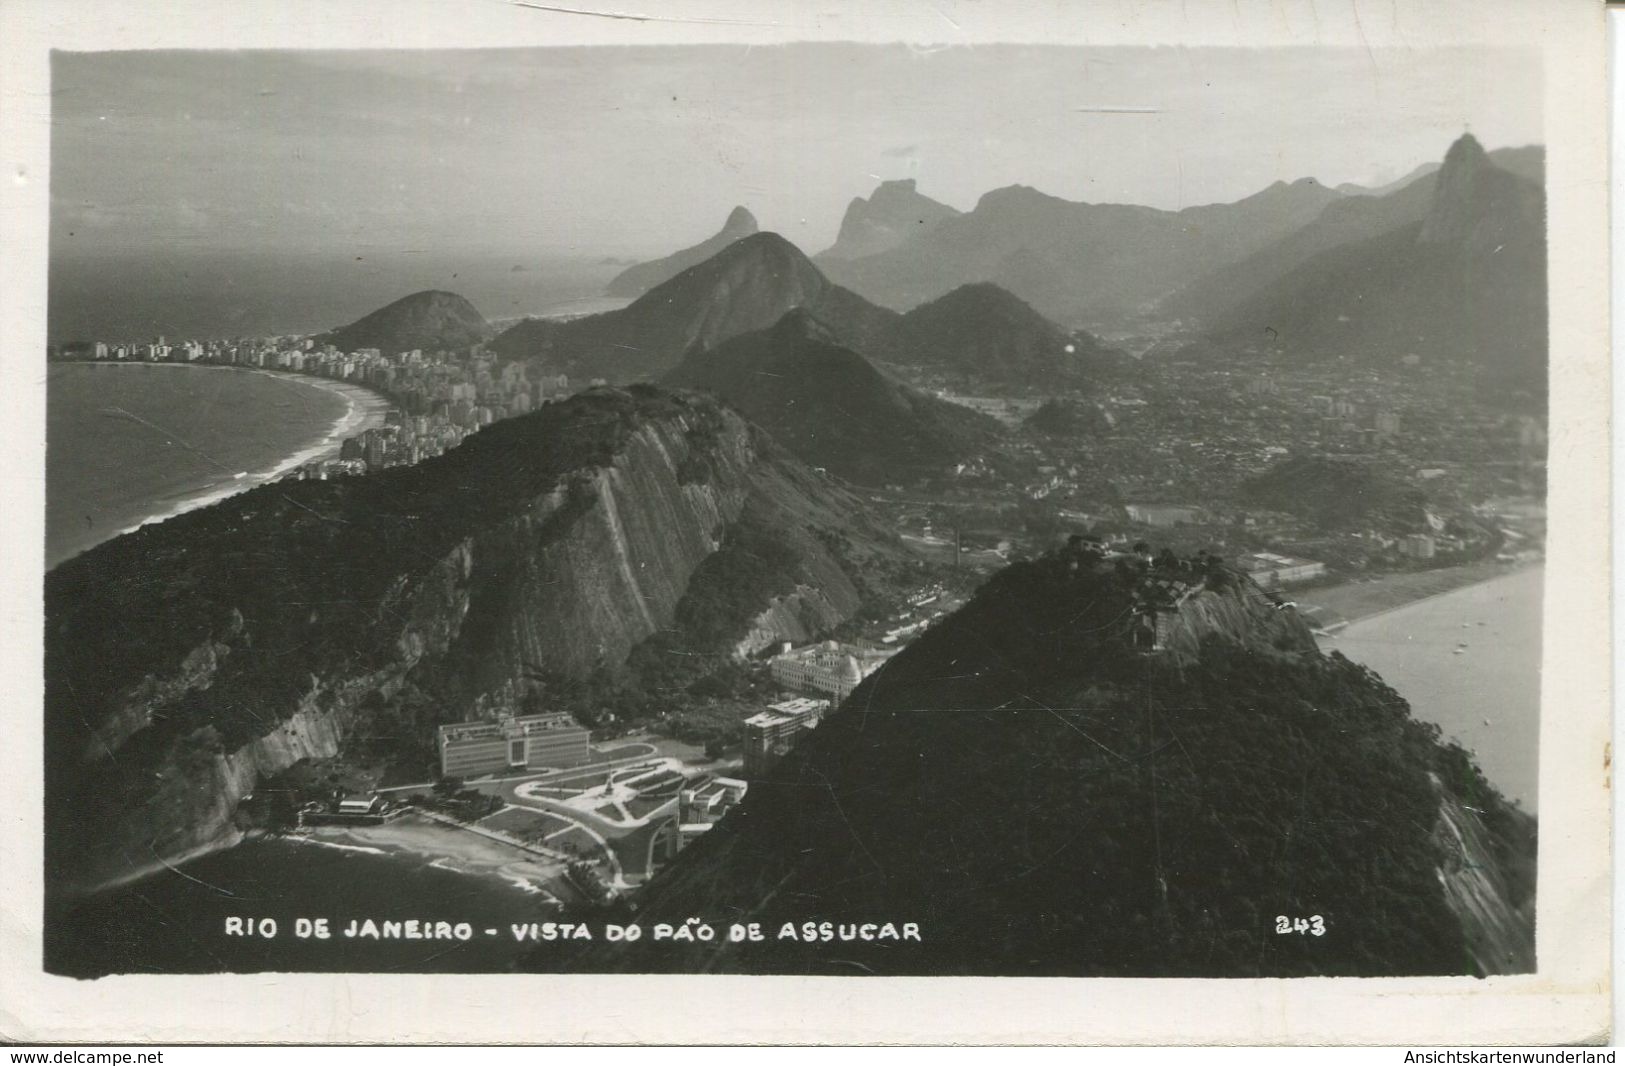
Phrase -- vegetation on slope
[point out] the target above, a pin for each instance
(1044, 800)
(1338, 494)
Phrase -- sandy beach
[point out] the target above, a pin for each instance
(364, 410)
(447, 848)
(1357, 601)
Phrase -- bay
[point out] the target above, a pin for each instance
(1468, 661)
(130, 442)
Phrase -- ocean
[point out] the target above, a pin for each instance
(127, 443)
(1468, 661)
(202, 295)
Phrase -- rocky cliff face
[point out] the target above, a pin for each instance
(1490, 891)
(895, 213)
(295, 615)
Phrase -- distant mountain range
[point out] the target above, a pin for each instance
(832, 408)
(1527, 161)
(430, 320)
(893, 215)
(1077, 262)
(980, 331)
(984, 290)
(639, 279)
(1464, 278)
(1448, 263)
(1362, 215)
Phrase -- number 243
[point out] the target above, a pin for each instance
(1314, 925)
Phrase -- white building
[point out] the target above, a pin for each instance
(1272, 571)
(827, 667)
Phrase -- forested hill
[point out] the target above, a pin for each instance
(1048, 788)
(190, 658)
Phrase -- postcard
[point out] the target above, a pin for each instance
(1067, 523)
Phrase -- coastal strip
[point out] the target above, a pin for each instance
(450, 847)
(1335, 606)
(364, 410)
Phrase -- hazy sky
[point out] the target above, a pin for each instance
(640, 150)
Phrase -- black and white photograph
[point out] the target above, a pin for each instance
(809, 507)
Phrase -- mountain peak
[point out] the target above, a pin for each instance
(636, 280)
(1465, 149)
(766, 250)
(894, 214)
(432, 319)
(1062, 679)
(983, 331)
(1471, 195)
(740, 221)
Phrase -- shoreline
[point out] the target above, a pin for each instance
(1469, 660)
(444, 847)
(1353, 602)
(364, 409)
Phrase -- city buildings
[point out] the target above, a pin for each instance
(439, 397)
(534, 742)
(828, 667)
(1162, 515)
(1272, 571)
(1418, 546)
(708, 801)
(770, 734)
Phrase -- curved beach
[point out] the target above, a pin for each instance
(116, 486)
(364, 410)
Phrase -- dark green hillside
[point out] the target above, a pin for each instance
(749, 285)
(985, 333)
(432, 321)
(1337, 494)
(832, 408)
(1044, 799)
(1067, 418)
